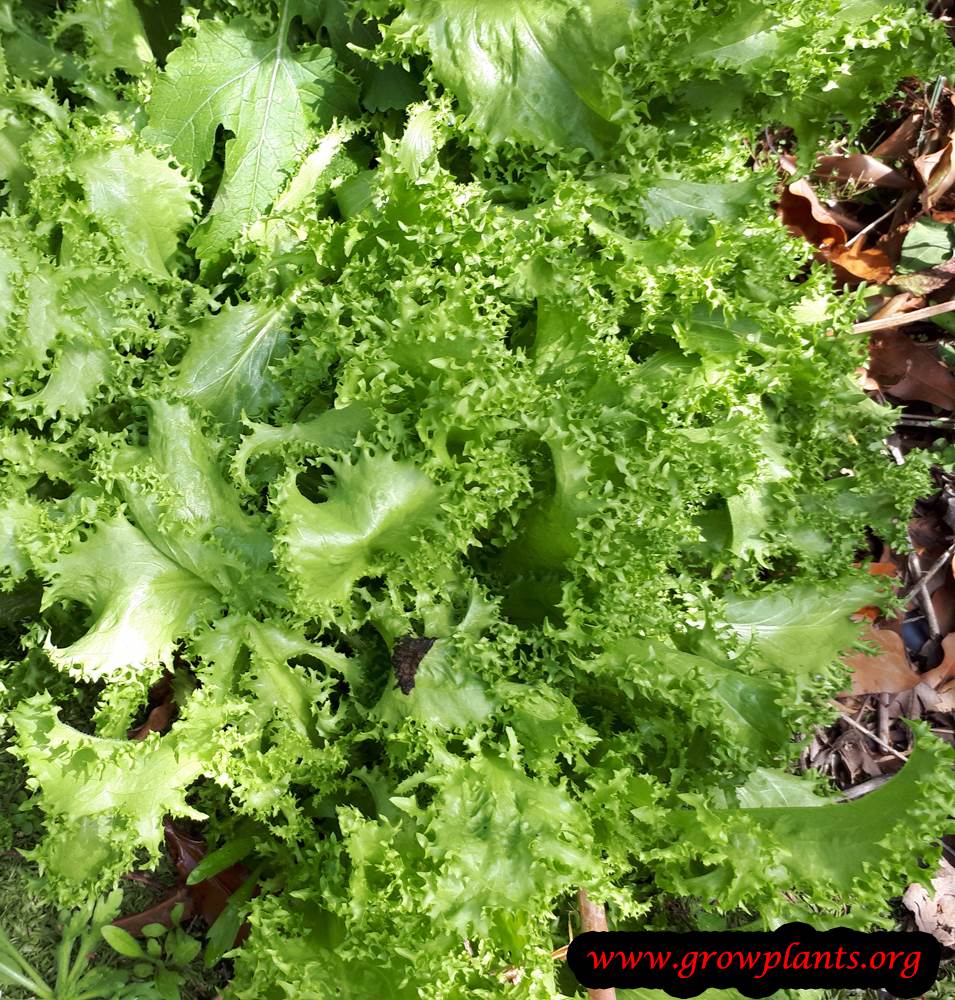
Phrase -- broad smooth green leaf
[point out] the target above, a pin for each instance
(257, 89)
(121, 941)
(528, 70)
(221, 936)
(766, 788)
(927, 244)
(800, 629)
(675, 198)
(226, 367)
(220, 859)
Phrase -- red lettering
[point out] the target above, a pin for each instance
(801, 963)
(770, 957)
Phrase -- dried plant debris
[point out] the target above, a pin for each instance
(934, 908)
(408, 653)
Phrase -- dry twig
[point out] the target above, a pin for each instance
(945, 557)
(889, 322)
(872, 736)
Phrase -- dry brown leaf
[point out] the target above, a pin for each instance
(893, 239)
(943, 600)
(211, 895)
(888, 671)
(946, 694)
(897, 305)
(935, 914)
(871, 612)
(866, 381)
(805, 215)
(868, 263)
(901, 140)
(909, 370)
(160, 913)
(861, 168)
(882, 569)
(162, 710)
(157, 721)
(945, 671)
(927, 282)
(929, 536)
(937, 173)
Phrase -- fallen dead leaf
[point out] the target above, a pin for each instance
(929, 535)
(870, 264)
(901, 141)
(943, 600)
(211, 895)
(945, 671)
(887, 671)
(805, 215)
(893, 239)
(927, 282)
(935, 914)
(909, 370)
(882, 569)
(161, 913)
(897, 305)
(862, 169)
(156, 722)
(871, 612)
(937, 173)
(946, 694)
(162, 711)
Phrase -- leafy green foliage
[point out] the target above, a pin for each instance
(140, 602)
(76, 978)
(372, 511)
(140, 200)
(258, 90)
(346, 327)
(529, 69)
(798, 842)
(158, 958)
(100, 795)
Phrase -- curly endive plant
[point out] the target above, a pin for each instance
(462, 334)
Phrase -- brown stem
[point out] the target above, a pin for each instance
(594, 918)
(889, 322)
